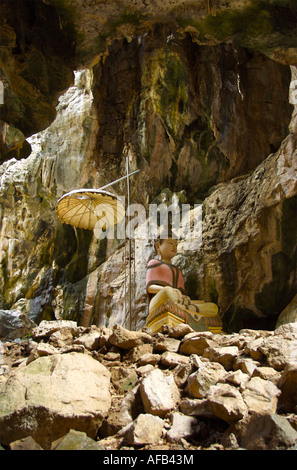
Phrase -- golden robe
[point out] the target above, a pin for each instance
(171, 306)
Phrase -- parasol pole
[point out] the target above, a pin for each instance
(129, 235)
(76, 223)
(116, 181)
(129, 241)
(129, 252)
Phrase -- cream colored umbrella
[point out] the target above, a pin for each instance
(96, 209)
(85, 208)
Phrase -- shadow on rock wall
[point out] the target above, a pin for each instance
(213, 121)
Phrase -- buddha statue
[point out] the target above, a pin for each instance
(168, 302)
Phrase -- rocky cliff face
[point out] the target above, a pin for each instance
(201, 98)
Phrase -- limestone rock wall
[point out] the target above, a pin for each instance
(36, 66)
(42, 42)
(204, 117)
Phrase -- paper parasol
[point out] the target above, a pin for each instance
(84, 208)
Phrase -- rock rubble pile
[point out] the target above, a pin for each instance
(71, 387)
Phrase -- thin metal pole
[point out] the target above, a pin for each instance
(116, 181)
(129, 242)
(125, 282)
(134, 283)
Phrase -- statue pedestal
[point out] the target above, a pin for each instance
(171, 314)
(167, 318)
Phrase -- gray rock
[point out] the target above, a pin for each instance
(76, 440)
(200, 381)
(196, 407)
(224, 355)
(196, 343)
(266, 431)
(288, 386)
(182, 427)
(260, 395)
(27, 443)
(167, 344)
(146, 429)
(227, 403)
(14, 324)
(51, 395)
(159, 393)
(126, 339)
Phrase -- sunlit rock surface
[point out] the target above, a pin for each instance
(201, 98)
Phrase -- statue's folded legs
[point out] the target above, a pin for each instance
(168, 302)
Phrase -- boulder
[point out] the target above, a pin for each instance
(89, 340)
(136, 353)
(76, 440)
(288, 386)
(159, 393)
(177, 331)
(52, 395)
(181, 373)
(265, 431)
(167, 344)
(200, 381)
(172, 359)
(194, 343)
(123, 411)
(267, 373)
(246, 364)
(288, 331)
(126, 339)
(27, 443)
(196, 407)
(182, 427)
(280, 350)
(146, 429)
(224, 355)
(253, 349)
(237, 377)
(46, 328)
(227, 403)
(260, 395)
(149, 358)
(14, 324)
(41, 349)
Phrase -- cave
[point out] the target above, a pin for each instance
(199, 100)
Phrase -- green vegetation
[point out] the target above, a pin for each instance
(255, 26)
(67, 14)
(171, 87)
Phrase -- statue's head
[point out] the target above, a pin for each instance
(166, 245)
